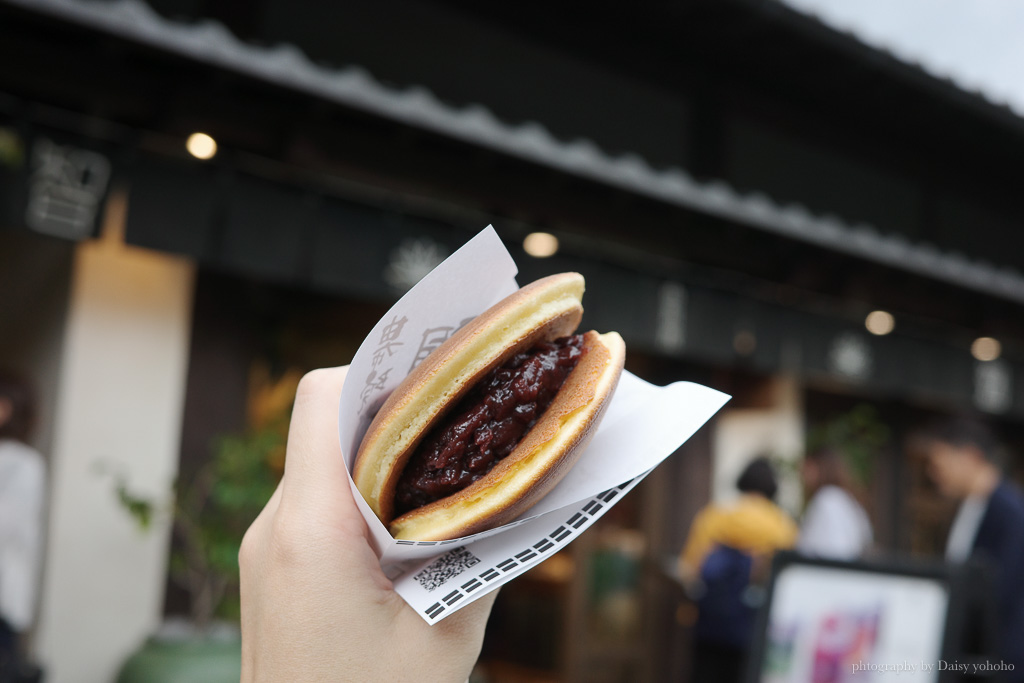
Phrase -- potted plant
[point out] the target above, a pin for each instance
(210, 512)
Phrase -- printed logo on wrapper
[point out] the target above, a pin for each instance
(378, 376)
(642, 426)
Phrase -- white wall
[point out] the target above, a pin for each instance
(776, 430)
(120, 396)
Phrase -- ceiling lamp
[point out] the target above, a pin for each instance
(880, 322)
(986, 348)
(540, 244)
(201, 146)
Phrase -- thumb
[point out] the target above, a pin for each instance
(315, 477)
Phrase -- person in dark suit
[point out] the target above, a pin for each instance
(989, 525)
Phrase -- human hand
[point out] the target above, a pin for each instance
(315, 604)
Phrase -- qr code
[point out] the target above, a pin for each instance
(449, 565)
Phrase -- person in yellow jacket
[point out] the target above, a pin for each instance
(753, 523)
(728, 545)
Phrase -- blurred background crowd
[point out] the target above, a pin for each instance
(202, 199)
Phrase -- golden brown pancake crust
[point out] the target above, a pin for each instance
(541, 311)
(544, 456)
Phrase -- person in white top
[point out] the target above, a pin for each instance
(835, 525)
(22, 499)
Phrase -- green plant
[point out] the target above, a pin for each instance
(859, 434)
(211, 511)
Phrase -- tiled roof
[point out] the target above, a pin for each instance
(287, 67)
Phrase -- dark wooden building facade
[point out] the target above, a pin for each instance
(740, 185)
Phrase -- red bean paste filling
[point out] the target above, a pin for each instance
(487, 424)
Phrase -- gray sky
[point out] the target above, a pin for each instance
(977, 43)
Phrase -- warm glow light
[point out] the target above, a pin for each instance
(201, 146)
(880, 322)
(540, 244)
(986, 348)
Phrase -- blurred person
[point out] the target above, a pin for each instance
(315, 604)
(22, 498)
(729, 547)
(835, 524)
(962, 460)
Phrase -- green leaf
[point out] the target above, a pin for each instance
(141, 509)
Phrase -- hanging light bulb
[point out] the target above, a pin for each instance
(880, 322)
(201, 146)
(540, 244)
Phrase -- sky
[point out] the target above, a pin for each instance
(977, 43)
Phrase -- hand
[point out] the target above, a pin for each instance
(315, 604)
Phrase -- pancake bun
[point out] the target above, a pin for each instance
(542, 311)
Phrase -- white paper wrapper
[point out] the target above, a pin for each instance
(643, 425)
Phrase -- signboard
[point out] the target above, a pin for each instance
(52, 185)
(67, 185)
(827, 621)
